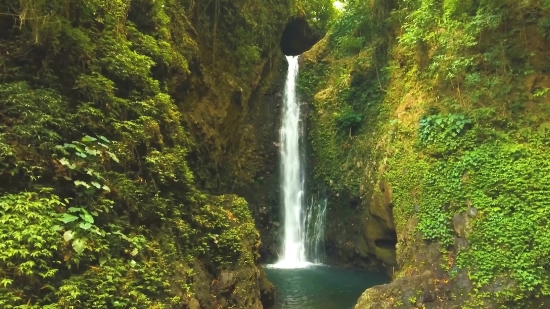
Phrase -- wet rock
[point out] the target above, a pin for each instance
(267, 291)
(194, 304)
(462, 280)
(428, 297)
(472, 212)
(386, 255)
(380, 206)
(459, 225)
(397, 294)
(378, 227)
(501, 283)
(461, 243)
(226, 280)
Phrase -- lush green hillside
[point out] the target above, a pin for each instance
(114, 117)
(436, 114)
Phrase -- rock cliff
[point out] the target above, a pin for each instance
(429, 124)
(126, 129)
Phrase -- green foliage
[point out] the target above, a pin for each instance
(505, 180)
(320, 13)
(228, 227)
(240, 33)
(346, 101)
(362, 23)
(444, 133)
(449, 122)
(29, 246)
(508, 183)
(435, 128)
(98, 206)
(348, 120)
(311, 79)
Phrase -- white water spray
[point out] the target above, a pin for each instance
(303, 223)
(316, 211)
(293, 251)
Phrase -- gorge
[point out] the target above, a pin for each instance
(274, 154)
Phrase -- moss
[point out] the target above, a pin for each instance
(452, 120)
(97, 147)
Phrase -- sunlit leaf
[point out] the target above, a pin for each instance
(85, 225)
(88, 138)
(79, 245)
(66, 218)
(68, 235)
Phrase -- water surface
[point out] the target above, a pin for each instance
(320, 287)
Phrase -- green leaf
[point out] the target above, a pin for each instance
(91, 151)
(85, 225)
(102, 260)
(5, 282)
(74, 209)
(87, 217)
(57, 228)
(66, 218)
(88, 138)
(113, 156)
(103, 138)
(95, 184)
(64, 161)
(79, 245)
(68, 235)
(106, 188)
(81, 183)
(78, 148)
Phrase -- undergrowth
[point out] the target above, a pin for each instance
(448, 101)
(98, 205)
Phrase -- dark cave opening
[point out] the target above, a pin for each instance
(298, 37)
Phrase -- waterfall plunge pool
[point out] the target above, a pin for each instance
(320, 286)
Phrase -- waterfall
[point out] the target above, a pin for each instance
(303, 226)
(316, 212)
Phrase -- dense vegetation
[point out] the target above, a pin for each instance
(447, 101)
(99, 207)
(117, 118)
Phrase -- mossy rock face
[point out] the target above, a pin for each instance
(418, 291)
(468, 173)
(114, 118)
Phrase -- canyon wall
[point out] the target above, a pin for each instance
(429, 124)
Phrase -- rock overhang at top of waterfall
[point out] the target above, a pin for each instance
(299, 36)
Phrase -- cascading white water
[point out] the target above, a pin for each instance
(293, 251)
(303, 226)
(316, 212)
